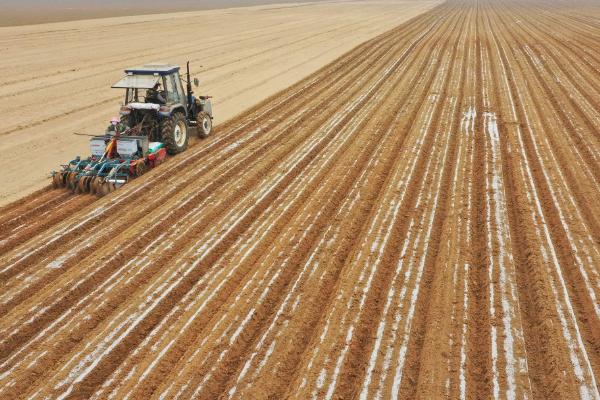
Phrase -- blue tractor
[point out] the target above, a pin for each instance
(156, 105)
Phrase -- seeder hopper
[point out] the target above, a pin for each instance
(114, 161)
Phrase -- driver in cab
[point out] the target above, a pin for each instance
(155, 95)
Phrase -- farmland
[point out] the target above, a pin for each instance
(57, 77)
(419, 218)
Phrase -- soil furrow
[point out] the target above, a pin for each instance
(448, 126)
(418, 219)
(579, 185)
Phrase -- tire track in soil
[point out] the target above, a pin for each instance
(581, 206)
(578, 145)
(440, 363)
(454, 93)
(261, 316)
(542, 354)
(479, 372)
(342, 252)
(416, 383)
(392, 114)
(580, 39)
(421, 159)
(509, 352)
(350, 381)
(567, 123)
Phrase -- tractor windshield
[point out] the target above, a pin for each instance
(140, 88)
(137, 87)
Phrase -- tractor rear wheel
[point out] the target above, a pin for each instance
(174, 133)
(204, 124)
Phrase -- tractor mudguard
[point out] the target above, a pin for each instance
(206, 105)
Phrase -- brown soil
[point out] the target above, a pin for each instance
(418, 219)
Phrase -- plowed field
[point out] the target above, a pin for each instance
(419, 218)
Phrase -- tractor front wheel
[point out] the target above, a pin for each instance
(174, 133)
(204, 124)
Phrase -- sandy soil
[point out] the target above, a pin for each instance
(56, 78)
(418, 219)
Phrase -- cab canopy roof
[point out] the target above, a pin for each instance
(145, 77)
(153, 69)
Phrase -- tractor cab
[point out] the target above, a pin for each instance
(154, 84)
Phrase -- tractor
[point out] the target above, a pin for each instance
(156, 103)
(154, 121)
